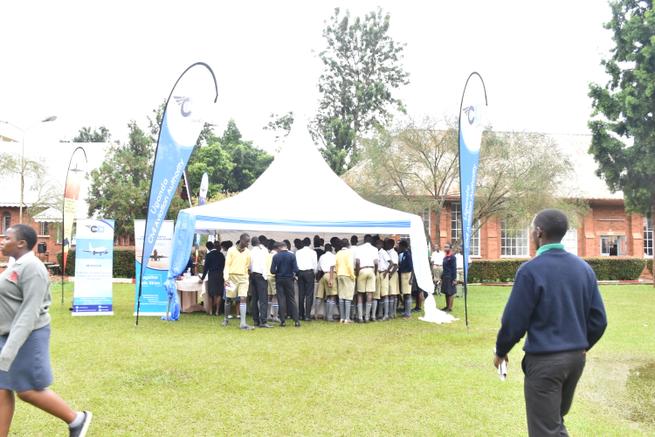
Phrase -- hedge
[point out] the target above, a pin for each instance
(649, 264)
(606, 269)
(123, 263)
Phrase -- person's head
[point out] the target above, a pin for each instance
(254, 241)
(306, 242)
(334, 241)
(271, 244)
(288, 244)
(263, 240)
(436, 247)
(209, 245)
(243, 241)
(389, 243)
(345, 243)
(379, 243)
(447, 248)
(403, 245)
(368, 238)
(280, 246)
(321, 242)
(549, 226)
(19, 239)
(225, 245)
(354, 240)
(328, 248)
(317, 241)
(297, 243)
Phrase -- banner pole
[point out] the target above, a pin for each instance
(65, 247)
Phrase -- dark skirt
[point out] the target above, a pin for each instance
(31, 369)
(447, 286)
(215, 283)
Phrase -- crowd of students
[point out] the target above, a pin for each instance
(339, 281)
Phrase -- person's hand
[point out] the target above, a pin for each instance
(498, 360)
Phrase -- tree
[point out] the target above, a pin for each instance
(416, 168)
(622, 124)
(231, 163)
(361, 69)
(86, 135)
(119, 187)
(280, 124)
(45, 193)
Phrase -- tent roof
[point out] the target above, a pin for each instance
(299, 192)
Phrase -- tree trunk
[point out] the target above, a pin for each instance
(437, 227)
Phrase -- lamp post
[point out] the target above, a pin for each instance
(22, 161)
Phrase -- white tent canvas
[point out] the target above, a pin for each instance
(299, 193)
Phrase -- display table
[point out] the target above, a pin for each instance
(187, 290)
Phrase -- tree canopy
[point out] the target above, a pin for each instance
(415, 168)
(622, 124)
(362, 68)
(89, 135)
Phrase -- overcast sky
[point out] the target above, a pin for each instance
(105, 63)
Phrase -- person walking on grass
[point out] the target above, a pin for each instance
(555, 299)
(258, 282)
(214, 266)
(405, 268)
(237, 264)
(25, 336)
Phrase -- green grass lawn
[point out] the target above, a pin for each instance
(195, 378)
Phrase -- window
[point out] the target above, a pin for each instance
(648, 237)
(514, 242)
(612, 245)
(456, 229)
(6, 222)
(43, 228)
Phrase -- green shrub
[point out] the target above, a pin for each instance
(606, 269)
(649, 264)
(494, 270)
(123, 263)
(616, 268)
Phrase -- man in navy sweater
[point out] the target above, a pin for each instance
(555, 299)
(284, 267)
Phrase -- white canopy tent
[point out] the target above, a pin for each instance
(299, 193)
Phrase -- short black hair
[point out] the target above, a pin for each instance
(403, 243)
(368, 238)
(345, 243)
(209, 245)
(281, 244)
(307, 242)
(288, 243)
(354, 240)
(553, 223)
(226, 244)
(328, 248)
(271, 244)
(26, 233)
(389, 243)
(263, 240)
(254, 241)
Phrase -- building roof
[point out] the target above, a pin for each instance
(50, 215)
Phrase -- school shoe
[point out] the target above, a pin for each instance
(296, 324)
(283, 324)
(246, 327)
(225, 322)
(416, 310)
(81, 429)
(264, 325)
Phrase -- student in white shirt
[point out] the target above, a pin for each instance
(436, 260)
(258, 283)
(327, 285)
(382, 280)
(366, 267)
(307, 267)
(394, 285)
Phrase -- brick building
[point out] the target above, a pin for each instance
(47, 225)
(606, 229)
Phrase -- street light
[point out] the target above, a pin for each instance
(22, 160)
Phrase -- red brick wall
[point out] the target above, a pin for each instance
(50, 240)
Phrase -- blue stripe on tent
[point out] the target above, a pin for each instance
(370, 224)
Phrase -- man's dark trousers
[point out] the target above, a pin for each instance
(305, 293)
(259, 302)
(550, 381)
(285, 293)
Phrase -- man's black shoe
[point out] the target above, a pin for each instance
(297, 324)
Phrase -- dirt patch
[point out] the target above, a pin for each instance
(640, 388)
